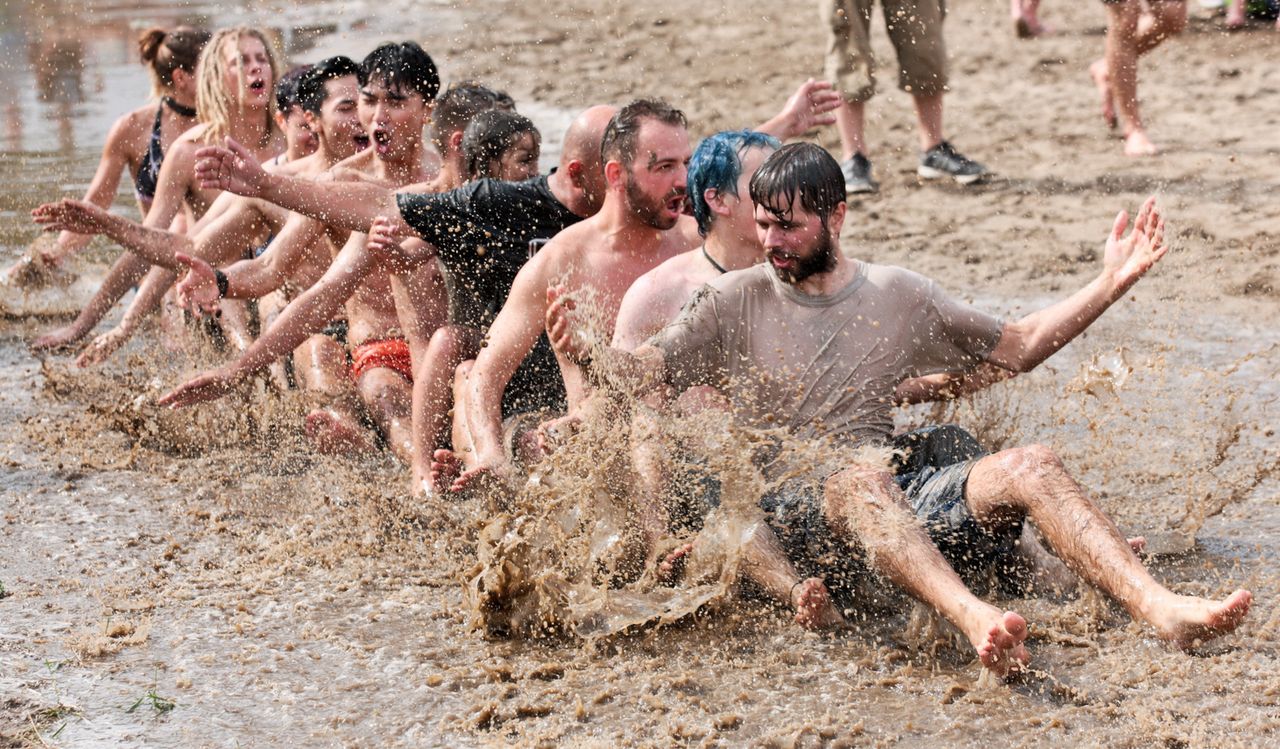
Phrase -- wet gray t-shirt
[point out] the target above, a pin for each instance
(821, 366)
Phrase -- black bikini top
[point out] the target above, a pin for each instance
(146, 181)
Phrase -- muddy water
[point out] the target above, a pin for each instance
(149, 560)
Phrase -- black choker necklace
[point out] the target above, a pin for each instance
(712, 260)
(177, 108)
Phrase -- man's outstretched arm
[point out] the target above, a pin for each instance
(305, 316)
(1029, 341)
(341, 204)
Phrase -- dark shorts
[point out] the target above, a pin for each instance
(931, 468)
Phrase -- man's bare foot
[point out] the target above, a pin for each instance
(1137, 143)
(812, 602)
(62, 338)
(1102, 79)
(1187, 621)
(999, 643)
(334, 433)
(446, 466)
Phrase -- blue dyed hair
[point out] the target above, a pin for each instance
(717, 164)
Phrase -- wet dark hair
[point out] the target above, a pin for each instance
(458, 105)
(799, 169)
(167, 51)
(402, 66)
(489, 136)
(311, 90)
(287, 89)
(619, 141)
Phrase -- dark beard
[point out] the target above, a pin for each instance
(647, 210)
(821, 260)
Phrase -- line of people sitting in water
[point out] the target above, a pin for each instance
(431, 294)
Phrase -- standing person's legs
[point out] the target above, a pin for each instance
(850, 67)
(916, 30)
(863, 506)
(1130, 34)
(1031, 482)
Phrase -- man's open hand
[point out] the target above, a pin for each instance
(207, 387)
(1127, 258)
(198, 290)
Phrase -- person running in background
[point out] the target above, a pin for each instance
(1134, 28)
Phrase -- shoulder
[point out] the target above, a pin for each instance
(896, 278)
(757, 277)
(135, 124)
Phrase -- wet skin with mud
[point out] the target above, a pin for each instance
(203, 577)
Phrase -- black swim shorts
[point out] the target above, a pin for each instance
(931, 467)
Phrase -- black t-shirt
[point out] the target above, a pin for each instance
(481, 232)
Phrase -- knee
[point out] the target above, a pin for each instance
(444, 342)
(1173, 19)
(1030, 462)
(856, 489)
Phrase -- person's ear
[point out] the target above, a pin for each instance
(613, 173)
(837, 218)
(281, 120)
(312, 119)
(455, 141)
(716, 202)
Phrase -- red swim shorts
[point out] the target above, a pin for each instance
(392, 353)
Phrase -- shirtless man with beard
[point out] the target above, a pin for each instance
(645, 149)
(803, 318)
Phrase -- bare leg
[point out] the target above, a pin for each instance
(269, 308)
(126, 272)
(865, 506)
(389, 396)
(765, 564)
(929, 119)
(850, 124)
(1131, 34)
(433, 395)
(320, 365)
(447, 465)
(1031, 482)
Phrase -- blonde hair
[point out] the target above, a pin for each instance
(214, 102)
(167, 51)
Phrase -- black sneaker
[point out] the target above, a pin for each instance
(943, 161)
(857, 175)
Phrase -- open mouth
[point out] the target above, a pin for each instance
(676, 204)
(781, 259)
(361, 141)
(381, 140)
(258, 85)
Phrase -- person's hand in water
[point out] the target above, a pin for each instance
(564, 335)
(207, 387)
(75, 216)
(1128, 258)
(104, 346)
(198, 289)
(232, 168)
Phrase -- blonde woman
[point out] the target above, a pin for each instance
(138, 141)
(235, 78)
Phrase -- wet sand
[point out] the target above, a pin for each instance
(276, 597)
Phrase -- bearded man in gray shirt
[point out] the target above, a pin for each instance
(816, 343)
